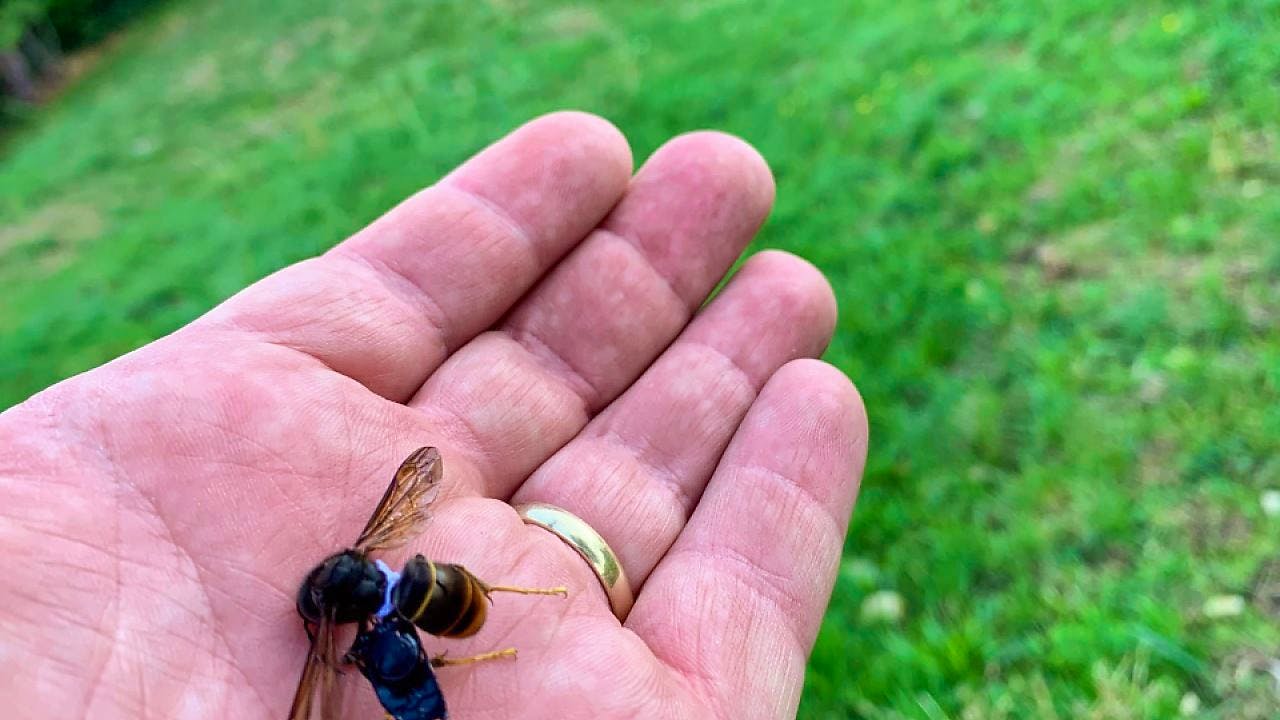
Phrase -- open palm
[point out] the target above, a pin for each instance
(537, 316)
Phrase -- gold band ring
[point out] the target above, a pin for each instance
(580, 536)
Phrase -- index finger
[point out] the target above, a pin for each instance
(388, 305)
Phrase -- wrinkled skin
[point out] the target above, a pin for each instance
(537, 315)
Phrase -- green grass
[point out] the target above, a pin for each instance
(1052, 227)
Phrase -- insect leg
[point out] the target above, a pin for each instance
(442, 661)
(561, 591)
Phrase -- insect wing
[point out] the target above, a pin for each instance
(319, 688)
(330, 683)
(402, 511)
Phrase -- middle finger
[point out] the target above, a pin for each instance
(512, 396)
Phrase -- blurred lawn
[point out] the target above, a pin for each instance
(1052, 227)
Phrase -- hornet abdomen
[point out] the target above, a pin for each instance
(443, 599)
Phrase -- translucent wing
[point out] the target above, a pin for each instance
(402, 511)
(319, 677)
(330, 685)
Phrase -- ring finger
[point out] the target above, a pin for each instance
(637, 470)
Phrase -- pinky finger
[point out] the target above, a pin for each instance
(737, 601)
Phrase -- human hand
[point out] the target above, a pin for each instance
(535, 315)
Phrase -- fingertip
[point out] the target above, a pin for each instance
(777, 307)
(727, 160)
(819, 405)
(801, 285)
(563, 160)
(593, 134)
(830, 390)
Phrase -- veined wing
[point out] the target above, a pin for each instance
(403, 509)
(318, 687)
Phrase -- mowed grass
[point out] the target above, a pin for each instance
(1052, 227)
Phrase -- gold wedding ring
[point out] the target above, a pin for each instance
(580, 536)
